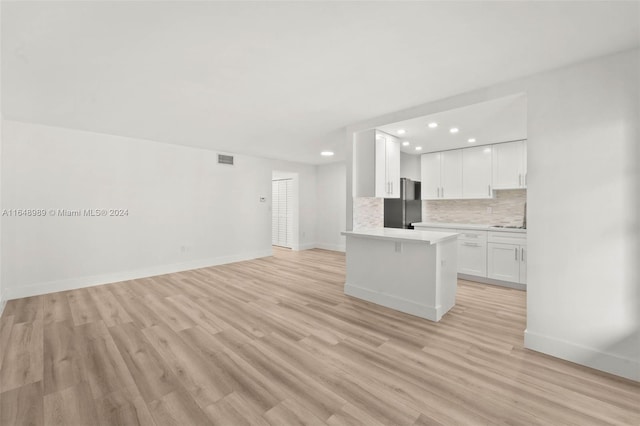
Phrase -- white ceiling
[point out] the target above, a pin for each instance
(499, 120)
(278, 79)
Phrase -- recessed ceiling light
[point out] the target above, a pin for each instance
(402, 131)
(472, 140)
(454, 130)
(326, 153)
(405, 143)
(433, 125)
(418, 148)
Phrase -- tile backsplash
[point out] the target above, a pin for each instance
(368, 213)
(507, 208)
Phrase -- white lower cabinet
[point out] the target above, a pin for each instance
(496, 255)
(472, 258)
(504, 263)
(507, 257)
(472, 252)
(523, 265)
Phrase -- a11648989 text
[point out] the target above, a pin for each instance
(65, 212)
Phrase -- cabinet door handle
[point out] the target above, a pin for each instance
(519, 179)
(442, 192)
(525, 179)
(489, 186)
(522, 254)
(471, 244)
(438, 192)
(471, 235)
(516, 251)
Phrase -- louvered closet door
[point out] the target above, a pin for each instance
(289, 213)
(275, 212)
(282, 224)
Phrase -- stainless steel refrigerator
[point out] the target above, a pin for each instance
(402, 212)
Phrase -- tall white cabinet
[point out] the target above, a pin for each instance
(377, 165)
(387, 166)
(282, 212)
(510, 165)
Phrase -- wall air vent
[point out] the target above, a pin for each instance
(225, 159)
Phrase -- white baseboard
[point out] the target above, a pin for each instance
(491, 281)
(306, 246)
(432, 313)
(81, 282)
(333, 247)
(583, 355)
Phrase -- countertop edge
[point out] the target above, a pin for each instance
(447, 236)
(469, 226)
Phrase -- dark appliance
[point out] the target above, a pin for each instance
(402, 212)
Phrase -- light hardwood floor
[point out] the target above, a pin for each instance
(274, 341)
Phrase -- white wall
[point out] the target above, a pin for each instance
(410, 166)
(2, 292)
(583, 299)
(185, 210)
(331, 206)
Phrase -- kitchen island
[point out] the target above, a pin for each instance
(403, 269)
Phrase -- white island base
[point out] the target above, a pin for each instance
(407, 270)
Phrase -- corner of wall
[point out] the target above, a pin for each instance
(333, 247)
(579, 354)
(3, 303)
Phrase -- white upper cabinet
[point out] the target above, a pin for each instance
(441, 174)
(430, 176)
(377, 165)
(451, 174)
(510, 165)
(476, 172)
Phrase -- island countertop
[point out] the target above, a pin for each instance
(409, 235)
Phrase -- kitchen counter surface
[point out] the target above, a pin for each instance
(411, 235)
(476, 227)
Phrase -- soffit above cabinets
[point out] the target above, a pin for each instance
(499, 120)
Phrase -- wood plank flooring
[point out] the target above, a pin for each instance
(274, 341)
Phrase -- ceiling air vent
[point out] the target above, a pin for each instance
(225, 159)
